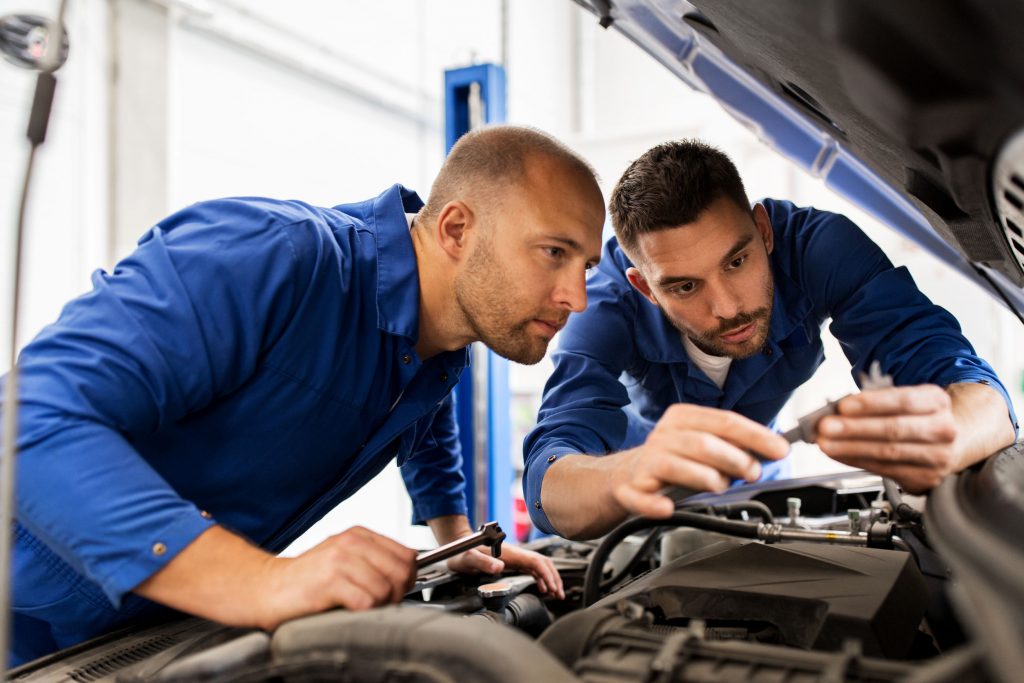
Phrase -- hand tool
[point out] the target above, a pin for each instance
(489, 534)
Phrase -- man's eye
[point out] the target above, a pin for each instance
(685, 288)
(555, 252)
(737, 262)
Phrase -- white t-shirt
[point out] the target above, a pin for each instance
(715, 367)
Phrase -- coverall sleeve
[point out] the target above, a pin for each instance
(180, 321)
(878, 312)
(433, 476)
(582, 407)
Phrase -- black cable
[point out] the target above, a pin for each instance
(42, 105)
(754, 506)
(725, 510)
(904, 514)
(900, 510)
(592, 581)
(628, 567)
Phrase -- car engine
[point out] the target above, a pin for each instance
(832, 578)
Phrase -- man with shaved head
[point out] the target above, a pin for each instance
(253, 363)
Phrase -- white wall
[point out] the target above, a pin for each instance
(67, 213)
(332, 102)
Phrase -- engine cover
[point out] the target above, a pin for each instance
(799, 594)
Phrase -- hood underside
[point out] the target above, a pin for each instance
(914, 110)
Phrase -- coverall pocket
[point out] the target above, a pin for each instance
(42, 580)
(48, 590)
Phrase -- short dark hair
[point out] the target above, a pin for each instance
(493, 158)
(671, 185)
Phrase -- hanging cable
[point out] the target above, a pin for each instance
(42, 104)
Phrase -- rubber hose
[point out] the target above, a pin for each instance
(592, 581)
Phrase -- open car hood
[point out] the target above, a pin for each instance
(914, 110)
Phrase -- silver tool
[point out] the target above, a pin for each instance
(489, 534)
(807, 426)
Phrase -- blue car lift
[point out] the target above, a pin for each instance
(475, 95)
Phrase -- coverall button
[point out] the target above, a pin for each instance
(552, 458)
(205, 515)
(768, 351)
(444, 376)
(983, 381)
(406, 359)
(159, 548)
(536, 504)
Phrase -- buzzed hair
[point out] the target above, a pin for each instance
(488, 160)
(671, 185)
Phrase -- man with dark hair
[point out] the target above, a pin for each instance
(253, 363)
(705, 315)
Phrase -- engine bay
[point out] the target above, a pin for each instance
(830, 578)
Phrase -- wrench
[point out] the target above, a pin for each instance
(489, 534)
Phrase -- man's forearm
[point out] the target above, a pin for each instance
(448, 528)
(577, 494)
(692, 446)
(983, 422)
(222, 577)
(216, 577)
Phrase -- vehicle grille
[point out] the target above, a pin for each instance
(109, 664)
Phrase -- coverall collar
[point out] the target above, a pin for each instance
(398, 287)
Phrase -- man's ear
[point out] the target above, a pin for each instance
(764, 226)
(454, 224)
(640, 283)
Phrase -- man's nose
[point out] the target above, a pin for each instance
(725, 303)
(572, 292)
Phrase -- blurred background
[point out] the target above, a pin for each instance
(163, 103)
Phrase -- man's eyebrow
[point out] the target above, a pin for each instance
(739, 246)
(674, 279)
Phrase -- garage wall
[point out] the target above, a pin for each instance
(67, 214)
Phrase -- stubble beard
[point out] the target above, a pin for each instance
(484, 293)
(709, 341)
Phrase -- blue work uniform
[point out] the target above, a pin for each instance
(620, 364)
(250, 364)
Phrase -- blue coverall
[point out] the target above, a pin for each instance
(621, 363)
(250, 364)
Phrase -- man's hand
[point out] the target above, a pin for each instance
(908, 434)
(356, 569)
(917, 435)
(221, 576)
(448, 528)
(695, 447)
(480, 561)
